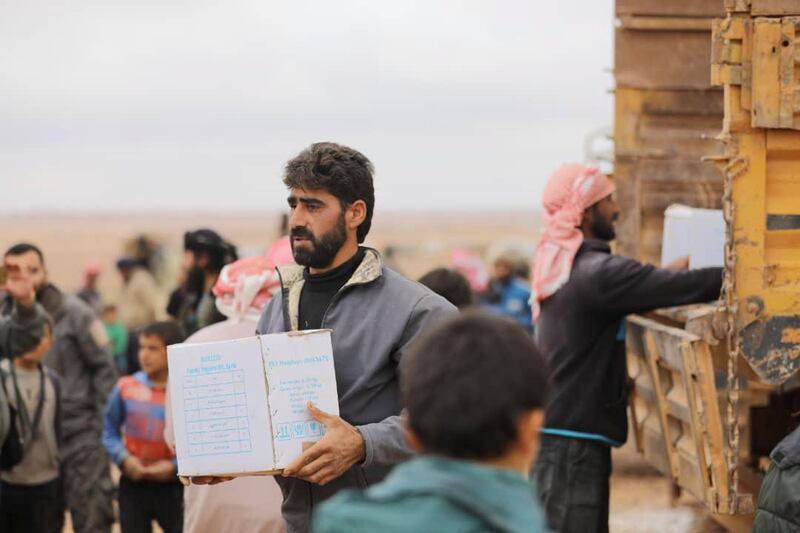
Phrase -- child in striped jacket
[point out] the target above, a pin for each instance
(133, 435)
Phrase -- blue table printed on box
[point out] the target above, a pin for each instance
(215, 406)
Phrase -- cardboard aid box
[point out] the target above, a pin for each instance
(696, 233)
(239, 406)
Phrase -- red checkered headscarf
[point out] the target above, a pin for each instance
(246, 286)
(569, 192)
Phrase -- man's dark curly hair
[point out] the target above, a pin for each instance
(337, 169)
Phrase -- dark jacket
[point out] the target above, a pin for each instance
(580, 331)
(779, 500)
(437, 494)
(375, 318)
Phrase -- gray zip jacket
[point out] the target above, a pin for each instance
(375, 317)
(81, 356)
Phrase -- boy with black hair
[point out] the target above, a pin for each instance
(450, 285)
(134, 438)
(30, 490)
(475, 390)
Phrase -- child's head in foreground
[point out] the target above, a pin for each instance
(475, 388)
(153, 341)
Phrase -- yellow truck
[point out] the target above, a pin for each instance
(707, 114)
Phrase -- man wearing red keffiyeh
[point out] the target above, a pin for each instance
(582, 294)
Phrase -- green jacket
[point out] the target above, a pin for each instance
(779, 501)
(436, 494)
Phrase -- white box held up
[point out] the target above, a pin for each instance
(696, 233)
(239, 406)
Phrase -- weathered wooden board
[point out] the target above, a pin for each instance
(679, 8)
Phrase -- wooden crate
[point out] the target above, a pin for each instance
(676, 416)
(677, 421)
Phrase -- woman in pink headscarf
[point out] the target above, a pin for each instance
(246, 504)
(571, 190)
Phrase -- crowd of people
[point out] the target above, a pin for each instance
(68, 416)
(468, 401)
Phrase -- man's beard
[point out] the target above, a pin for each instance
(602, 228)
(318, 253)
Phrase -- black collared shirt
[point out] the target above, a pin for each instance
(319, 290)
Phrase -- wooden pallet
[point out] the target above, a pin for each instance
(676, 412)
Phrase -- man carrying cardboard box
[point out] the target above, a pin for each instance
(582, 293)
(374, 312)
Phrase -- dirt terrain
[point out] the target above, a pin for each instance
(641, 501)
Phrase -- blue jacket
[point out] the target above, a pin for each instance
(511, 299)
(437, 494)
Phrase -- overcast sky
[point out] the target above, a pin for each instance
(196, 105)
